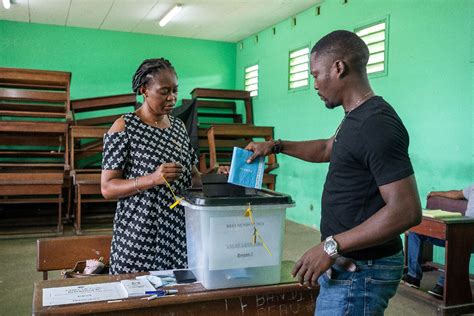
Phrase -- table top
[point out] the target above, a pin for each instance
(187, 293)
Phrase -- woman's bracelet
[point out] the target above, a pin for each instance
(136, 186)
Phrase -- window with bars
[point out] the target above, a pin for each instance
(251, 80)
(298, 68)
(375, 35)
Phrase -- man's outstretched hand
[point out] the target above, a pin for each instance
(311, 265)
(259, 149)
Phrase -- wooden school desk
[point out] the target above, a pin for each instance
(192, 299)
(459, 235)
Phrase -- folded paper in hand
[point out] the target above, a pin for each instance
(440, 214)
(245, 174)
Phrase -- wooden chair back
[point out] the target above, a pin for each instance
(63, 252)
(89, 112)
(450, 205)
(222, 139)
(223, 94)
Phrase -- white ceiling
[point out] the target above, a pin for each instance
(220, 20)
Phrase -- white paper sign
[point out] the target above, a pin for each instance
(83, 293)
(231, 243)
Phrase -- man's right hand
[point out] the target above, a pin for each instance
(259, 149)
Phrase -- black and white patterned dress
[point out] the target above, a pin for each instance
(147, 234)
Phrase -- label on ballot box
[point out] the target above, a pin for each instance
(233, 245)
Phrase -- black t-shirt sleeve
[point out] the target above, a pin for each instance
(386, 148)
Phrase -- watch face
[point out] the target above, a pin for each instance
(330, 246)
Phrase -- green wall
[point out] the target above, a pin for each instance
(103, 62)
(429, 82)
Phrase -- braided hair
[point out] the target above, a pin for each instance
(147, 70)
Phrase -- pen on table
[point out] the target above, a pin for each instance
(162, 292)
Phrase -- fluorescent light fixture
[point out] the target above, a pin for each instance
(6, 4)
(170, 15)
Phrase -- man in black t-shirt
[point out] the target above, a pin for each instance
(370, 195)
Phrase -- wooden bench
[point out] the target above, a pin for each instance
(222, 139)
(63, 252)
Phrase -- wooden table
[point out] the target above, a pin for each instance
(459, 236)
(192, 299)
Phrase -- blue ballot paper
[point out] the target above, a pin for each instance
(245, 174)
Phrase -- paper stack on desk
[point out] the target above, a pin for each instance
(96, 292)
(137, 287)
(440, 214)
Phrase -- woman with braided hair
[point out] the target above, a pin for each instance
(147, 159)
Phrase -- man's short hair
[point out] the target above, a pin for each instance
(344, 45)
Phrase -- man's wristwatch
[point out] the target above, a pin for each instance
(331, 247)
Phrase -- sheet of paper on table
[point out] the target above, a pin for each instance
(83, 293)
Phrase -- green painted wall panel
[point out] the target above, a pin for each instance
(429, 83)
(103, 62)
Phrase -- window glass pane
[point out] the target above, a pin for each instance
(251, 81)
(372, 29)
(252, 74)
(298, 84)
(299, 76)
(373, 38)
(298, 68)
(299, 60)
(375, 68)
(251, 68)
(377, 47)
(300, 52)
(376, 58)
(251, 87)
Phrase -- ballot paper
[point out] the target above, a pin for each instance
(96, 292)
(83, 293)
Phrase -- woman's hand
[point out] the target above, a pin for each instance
(170, 171)
(223, 170)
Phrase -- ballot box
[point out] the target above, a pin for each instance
(235, 241)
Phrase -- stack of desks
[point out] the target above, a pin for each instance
(34, 114)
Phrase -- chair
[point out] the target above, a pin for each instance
(86, 136)
(63, 252)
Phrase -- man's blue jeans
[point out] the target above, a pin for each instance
(415, 252)
(363, 292)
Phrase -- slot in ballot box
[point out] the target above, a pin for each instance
(225, 249)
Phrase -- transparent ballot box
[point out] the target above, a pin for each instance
(231, 246)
